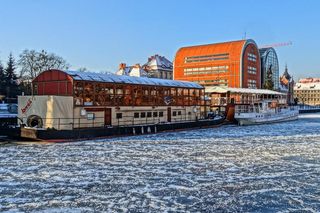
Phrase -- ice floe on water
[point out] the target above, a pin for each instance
(267, 168)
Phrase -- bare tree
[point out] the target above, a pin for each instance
(32, 63)
(82, 69)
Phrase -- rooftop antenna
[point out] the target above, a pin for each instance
(245, 35)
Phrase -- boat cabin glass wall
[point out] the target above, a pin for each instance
(243, 98)
(88, 93)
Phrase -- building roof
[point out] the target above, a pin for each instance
(264, 51)
(234, 48)
(241, 90)
(157, 62)
(286, 74)
(313, 85)
(123, 79)
(135, 70)
(309, 80)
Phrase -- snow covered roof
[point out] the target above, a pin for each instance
(157, 62)
(123, 79)
(213, 89)
(307, 86)
(309, 80)
(135, 70)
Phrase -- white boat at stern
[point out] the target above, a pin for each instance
(263, 112)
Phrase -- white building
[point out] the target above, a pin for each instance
(159, 67)
(156, 67)
(136, 70)
(307, 91)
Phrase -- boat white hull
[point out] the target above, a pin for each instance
(253, 119)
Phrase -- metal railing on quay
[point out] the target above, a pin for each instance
(306, 107)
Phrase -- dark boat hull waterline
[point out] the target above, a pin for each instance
(51, 135)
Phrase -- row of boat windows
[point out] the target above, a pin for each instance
(142, 115)
(150, 114)
(204, 58)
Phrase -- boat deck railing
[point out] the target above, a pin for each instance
(223, 101)
(246, 109)
(256, 109)
(77, 123)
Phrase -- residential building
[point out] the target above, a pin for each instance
(156, 67)
(159, 67)
(307, 91)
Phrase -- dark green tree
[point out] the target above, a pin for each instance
(2, 82)
(268, 84)
(10, 75)
(11, 86)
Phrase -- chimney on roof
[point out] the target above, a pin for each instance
(122, 65)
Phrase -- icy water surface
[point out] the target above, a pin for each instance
(267, 168)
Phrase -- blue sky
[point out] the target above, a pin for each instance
(100, 34)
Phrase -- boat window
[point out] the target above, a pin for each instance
(119, 115)
(160, 114)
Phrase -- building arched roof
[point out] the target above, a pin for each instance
(265, 51)
(233, 48)
(57, 75)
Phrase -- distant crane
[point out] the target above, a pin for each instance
(277, 44)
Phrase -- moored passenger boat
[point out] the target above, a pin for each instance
(247, 100)
(70, 105)
(264, 112)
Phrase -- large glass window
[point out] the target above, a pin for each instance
(270, 61)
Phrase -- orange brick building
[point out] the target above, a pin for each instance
(231, 64)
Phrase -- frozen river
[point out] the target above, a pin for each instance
(265, 168)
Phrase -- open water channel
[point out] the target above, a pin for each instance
(266, 168)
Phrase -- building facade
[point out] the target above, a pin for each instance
(159, 67)
(287, 86)
(229, 64)
(307, 91)
(269, 63)
(156, 67)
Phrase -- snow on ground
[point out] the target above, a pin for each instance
(229, 169)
